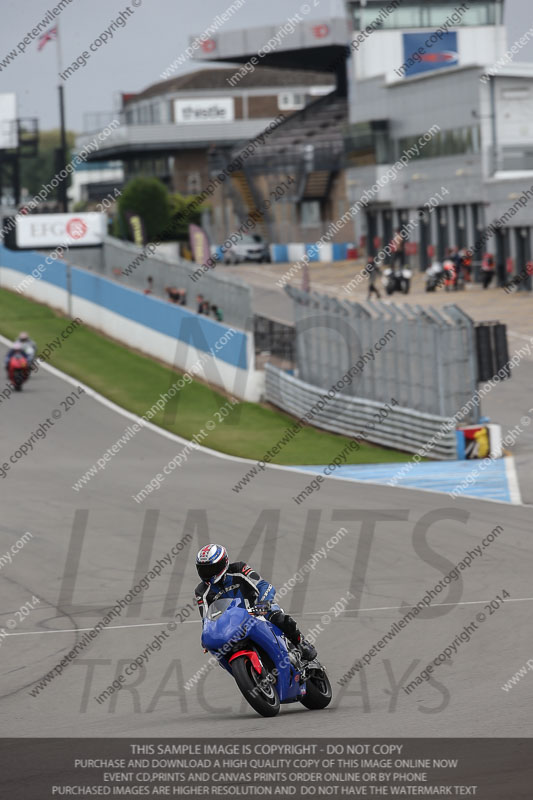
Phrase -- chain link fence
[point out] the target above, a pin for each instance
(424, 358)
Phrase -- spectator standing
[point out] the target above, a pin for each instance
(450, 271)
(487, 270)
(398, 245)
(200, 304)
(173, 294)
(374, 272)
(458, 264)
(217, 313)
(149, 285)
(466, 264)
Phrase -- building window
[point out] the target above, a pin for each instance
(454, 141)
(194, 183)
(424, 15)
(479, 14)
(291, 101)
(368, 143)
(310, 215)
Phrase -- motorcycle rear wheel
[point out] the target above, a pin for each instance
(18, 379)
(261, 696)
(319, 692)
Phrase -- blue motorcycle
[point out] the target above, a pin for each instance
(267, 668)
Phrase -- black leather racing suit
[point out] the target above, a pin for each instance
(242, 581)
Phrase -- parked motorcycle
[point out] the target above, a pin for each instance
(267, 668)
(18, 370)
(434, 276)
(397, 279)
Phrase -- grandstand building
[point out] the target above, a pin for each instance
(441, 71)
(308, 145)
(408, 105)
(433, 68)
(180, 130)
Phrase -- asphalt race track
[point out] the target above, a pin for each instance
(395, 563)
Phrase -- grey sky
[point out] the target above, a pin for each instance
(156, 34)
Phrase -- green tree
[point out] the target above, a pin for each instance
(147, 197)
(182, 213)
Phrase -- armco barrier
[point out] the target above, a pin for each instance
(160, 329)
(403, 428)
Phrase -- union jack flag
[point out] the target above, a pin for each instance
(48, 36)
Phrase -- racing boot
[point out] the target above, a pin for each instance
(307, 650)
(288, 626)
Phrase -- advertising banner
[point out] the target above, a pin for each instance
(53, 230)
(199, 244)
(208, 109)
(422, 53)
(137, 228)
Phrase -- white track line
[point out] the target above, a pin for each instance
(512, 480)
(305, 614)
(516, 335)
(174, 437)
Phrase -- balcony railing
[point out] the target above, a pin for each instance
(273, 158)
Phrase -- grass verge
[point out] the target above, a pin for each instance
(135, 382)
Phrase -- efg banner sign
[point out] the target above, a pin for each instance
(54, 230)
(425, 52)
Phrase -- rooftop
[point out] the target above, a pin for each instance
(215, 78)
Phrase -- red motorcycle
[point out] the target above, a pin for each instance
(18, 370)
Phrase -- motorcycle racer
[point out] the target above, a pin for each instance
(219, 579)
(17, 367)
(23, 344)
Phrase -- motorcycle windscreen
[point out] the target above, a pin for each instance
(219, 606)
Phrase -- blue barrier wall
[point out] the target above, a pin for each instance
(25, 261)
(159, 315)
(279, 253)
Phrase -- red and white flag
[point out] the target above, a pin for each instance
(48, 36)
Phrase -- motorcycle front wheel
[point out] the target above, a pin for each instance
(18, 379)
(319, 692)
(258, 691)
